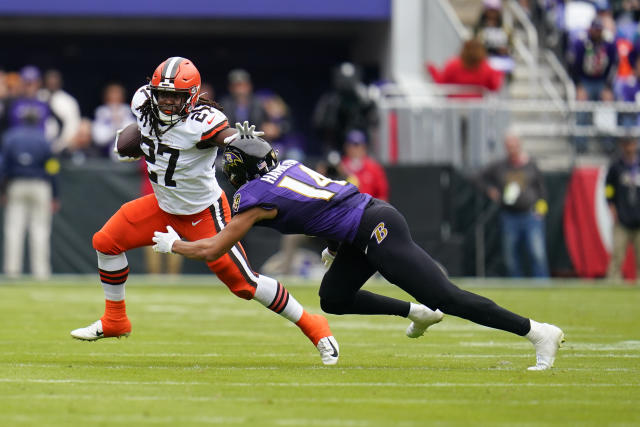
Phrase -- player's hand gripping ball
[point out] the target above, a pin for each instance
(127, 145)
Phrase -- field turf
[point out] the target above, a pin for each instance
(200, 356)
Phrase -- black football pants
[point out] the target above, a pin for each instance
(383, 243)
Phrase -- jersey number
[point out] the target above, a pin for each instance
(151, 158)
(309, 190)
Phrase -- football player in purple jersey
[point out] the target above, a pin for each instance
(367, 235)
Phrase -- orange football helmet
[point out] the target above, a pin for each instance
(177, 75)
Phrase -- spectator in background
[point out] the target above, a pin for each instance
(592, 62)
(24, 102)
(347, 106)
(470, 68)
(626, 57)
(623, 197)
(630, 92)
(627, 9)
(517, 185)
(240, 105)
(112, 115)
(361, 170)
(28, 171)
(81, 146)
(491, 31)
(63, 106)
(278, 126)
(277, 122)
(14, 85)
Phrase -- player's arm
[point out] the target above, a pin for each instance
(220, 138)
(214, 247)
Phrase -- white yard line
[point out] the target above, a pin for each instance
(319, 384)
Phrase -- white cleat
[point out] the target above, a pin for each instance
(329, 350)
(421, 320)
(94, 332)
(90, 333)
(547, 340)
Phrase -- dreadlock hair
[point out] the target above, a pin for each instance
(148, 116)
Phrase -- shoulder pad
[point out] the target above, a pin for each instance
(208, 121)
(139, 98)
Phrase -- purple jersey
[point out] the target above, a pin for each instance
(307, 202)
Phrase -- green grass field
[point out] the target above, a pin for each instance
(200, 356)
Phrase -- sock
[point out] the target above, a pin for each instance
(314, 326)
(114, 270)
(276, 298)
(534, 335)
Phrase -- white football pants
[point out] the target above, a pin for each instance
(28, 206)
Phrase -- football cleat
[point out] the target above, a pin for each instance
(95, 332)
(329, 350)
(547, 341)
(422, 320)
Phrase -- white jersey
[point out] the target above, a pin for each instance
(180, 165)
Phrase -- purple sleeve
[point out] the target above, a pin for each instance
(246, 198)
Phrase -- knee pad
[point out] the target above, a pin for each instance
(102, 242)
(236, 283)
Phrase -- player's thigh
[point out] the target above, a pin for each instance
(347, 274)
(132, 226)
(233, 268)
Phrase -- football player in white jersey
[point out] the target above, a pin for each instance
(181, 132)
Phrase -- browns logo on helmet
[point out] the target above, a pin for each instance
(176, 75)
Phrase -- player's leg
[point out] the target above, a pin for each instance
(620, 242)
(15, 227)
(341, 293)
(130, 227)
(536, 247)
(40, 229)
(385, 235)
(510, 238)
(235, 271)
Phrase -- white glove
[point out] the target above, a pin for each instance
(117, 155)
(327, 258)
(164, 241)
(244, 132)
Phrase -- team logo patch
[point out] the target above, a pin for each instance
(236, 202)
(380, 232)
(232, 159)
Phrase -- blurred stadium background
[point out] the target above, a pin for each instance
(430, 142)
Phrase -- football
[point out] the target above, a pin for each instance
(128, 141)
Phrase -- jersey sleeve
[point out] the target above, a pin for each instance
(213, 123)
(139, 98)
(245, 199)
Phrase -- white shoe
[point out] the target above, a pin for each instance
(546, 339)
(93, 332)
(329, 350)
(90, 333)
(421, 320)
